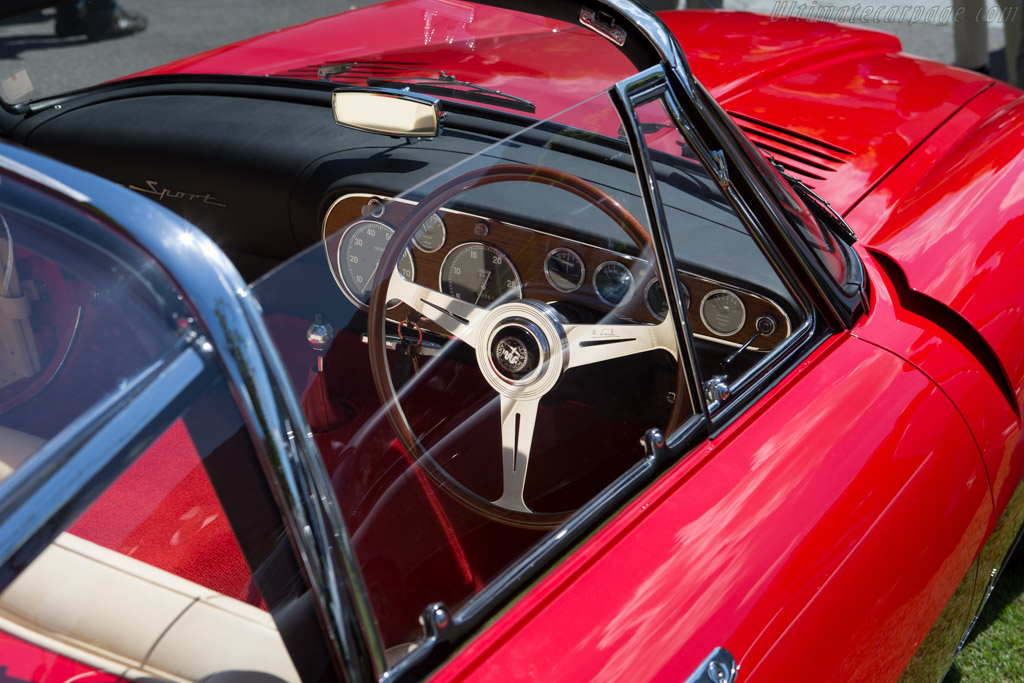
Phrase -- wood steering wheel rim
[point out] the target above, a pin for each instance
(378, 316)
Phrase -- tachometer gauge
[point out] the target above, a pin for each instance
(430, 235)
(722, 312)
(613, 282)
(359, 251)
(564, 269)
(479, 274)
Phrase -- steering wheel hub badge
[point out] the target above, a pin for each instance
(513, 356)
(525, 349)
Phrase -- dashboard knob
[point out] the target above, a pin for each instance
(319, 336)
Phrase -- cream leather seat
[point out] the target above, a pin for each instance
(123, 616)
(126, 617)
(15, 447)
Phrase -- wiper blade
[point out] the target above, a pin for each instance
(440, 84)
(819, 205)
(453, 88)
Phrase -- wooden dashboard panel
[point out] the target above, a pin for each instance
(527, 250)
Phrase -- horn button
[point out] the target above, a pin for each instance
(525, 349)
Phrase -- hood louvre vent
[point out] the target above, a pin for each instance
(810, 160)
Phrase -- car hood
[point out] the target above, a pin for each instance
(839, 106)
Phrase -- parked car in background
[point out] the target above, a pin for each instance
(511, 341)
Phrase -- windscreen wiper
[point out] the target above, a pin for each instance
(377, 75)
(818, 205)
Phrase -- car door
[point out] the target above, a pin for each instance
(832, 520)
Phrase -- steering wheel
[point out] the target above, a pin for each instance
(522, 347)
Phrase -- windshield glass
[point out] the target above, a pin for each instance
(472, 317)
(481, 339)
(473, 351)
(466, 48)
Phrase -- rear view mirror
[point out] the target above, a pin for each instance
(387, 112)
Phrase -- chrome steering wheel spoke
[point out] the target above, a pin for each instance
(518, 418)
(457, 317)
(590, 344)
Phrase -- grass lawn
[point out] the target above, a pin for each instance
(995, 650)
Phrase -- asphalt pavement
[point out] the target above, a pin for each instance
(179, 28)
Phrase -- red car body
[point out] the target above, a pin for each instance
(849, 523)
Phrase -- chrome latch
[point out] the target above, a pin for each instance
(603, 24)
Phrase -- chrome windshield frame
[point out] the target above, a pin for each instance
(229, 321)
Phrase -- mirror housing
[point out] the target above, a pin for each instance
(395, 113)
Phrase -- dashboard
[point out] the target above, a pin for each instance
(482, 260)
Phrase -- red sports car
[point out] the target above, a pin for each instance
(512, 340)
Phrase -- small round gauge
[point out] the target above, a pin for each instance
(479, 274)
(430, 235)
(722, 312)
(359, 251)
(564, 269)
(655, 299)
(613, 282)
(657, 303)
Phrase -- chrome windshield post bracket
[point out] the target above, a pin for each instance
(719, 667)
(721, 169)
(717, 391)
(654, 444)
(603, 24)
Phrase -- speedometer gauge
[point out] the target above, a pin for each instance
(479, 274)
(359, 253)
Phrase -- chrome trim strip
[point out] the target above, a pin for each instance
(29, 173)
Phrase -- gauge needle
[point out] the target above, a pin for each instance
(369, 280)
(483, 286)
